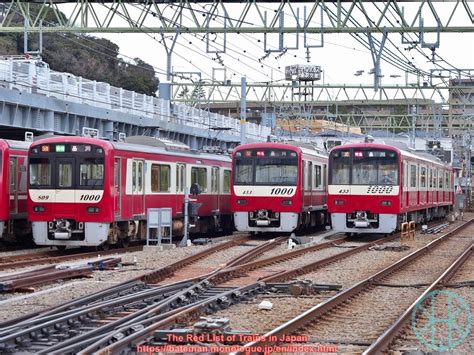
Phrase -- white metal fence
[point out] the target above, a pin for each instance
(35, 76)
(195, 117)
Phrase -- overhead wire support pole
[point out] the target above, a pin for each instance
(243, 110)
(169, 51)
(165, 88)
(25, 38)
(376, 58)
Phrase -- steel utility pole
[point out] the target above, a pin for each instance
(243, 110)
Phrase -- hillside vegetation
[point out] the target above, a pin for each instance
(87, 56)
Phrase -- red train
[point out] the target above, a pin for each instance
(278, 187)
(89, 192)
(375, 187)
(14, 225)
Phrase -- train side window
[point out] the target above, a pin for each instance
(117, 173)
(423, 177)
(179, 178)
(22, 167)
(440, 179)
(412, 175)
(215, 179)
(134, 176)
(318, 176)
(325, 174)
(430, 177)
(199, 176)
(226, 181)
(310, 175)
(405, 175)
(313, 175)
(140, 176)
(12, 175)
(446, 179)
(160, 178)
(303, 174)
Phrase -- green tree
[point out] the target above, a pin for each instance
(84, 55)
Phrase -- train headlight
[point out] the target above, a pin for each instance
(339, 202)
(386, 203)
(277, 214)
(38, 209)
(242, 202)
(93, 209)
(287, 202)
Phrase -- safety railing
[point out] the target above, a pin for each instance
(32, 75)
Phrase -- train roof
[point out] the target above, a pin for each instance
(305, 148)
(134, 147)
(20, 145)
(400, 150)
(145, 145)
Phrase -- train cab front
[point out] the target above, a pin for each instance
(363, 190)
(66, 202)
(264, 190)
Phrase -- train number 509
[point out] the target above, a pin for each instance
(282, 191)
(89, 197)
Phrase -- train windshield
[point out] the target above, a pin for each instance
(364, 167)
(341, 167)
(374, 167)
(91, 172)
(66, 166)
(40, 172)
(266, 167)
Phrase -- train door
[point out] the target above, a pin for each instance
(138, 190)
(224, 196)
(64, 168)
(13, 177)
(303, 182)
(215, 182)
(117, 189)
(325, 183)
(429, 185)
(180, 186)
(405, 185)
(309, 198)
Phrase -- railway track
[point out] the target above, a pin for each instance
(223, 296)
(152, 277)
(56, 256)
(283, 268)
(352, 319)
(136, 299)
(129, 316)
(454, 288)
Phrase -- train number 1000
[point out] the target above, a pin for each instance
(85, 197)
(282, 191)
